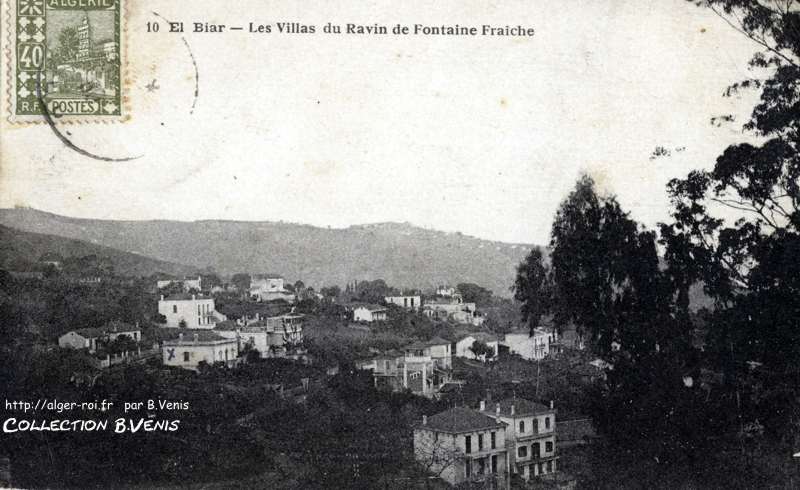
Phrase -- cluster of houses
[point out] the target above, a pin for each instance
(489, 444)
(425, 367)
(211, 337)
(450, 306)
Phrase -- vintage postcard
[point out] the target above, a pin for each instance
(425, 244)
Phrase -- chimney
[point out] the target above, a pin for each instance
(483, 406)
(162, 297)
(497, 409)
(551, 404)
(194, 296)
(512, 409)
(424, 420)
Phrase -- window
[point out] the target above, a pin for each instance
(468, 444)
(548, 446)
(494, 464)
(185, 357)
(174, 308)
(480, 442)
(535, 425)
(522, 452)
(521, 426)
(494, 440)
(482, 466)
(535, 449)
(468, 464)
(549, 466)
(547, 422)
(541, 469)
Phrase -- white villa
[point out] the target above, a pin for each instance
(195, 311)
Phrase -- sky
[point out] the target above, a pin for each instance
(481, 135)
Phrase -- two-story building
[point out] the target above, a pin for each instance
(189, 311)
(463, 445)
(530, 435)
(277, 336)
(422, 367)
(193, 346)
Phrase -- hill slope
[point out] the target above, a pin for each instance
(19, 248)
(401, 254)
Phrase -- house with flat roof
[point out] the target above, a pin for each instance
(189, 311)
(190, 347)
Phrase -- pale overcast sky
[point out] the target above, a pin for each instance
(479, 135)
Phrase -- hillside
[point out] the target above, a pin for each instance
(401, 254)
(18, 248)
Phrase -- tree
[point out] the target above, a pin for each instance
(736, 227)
(533, 288)
(481, 350)
(241, 281)
(605, 278)
(473, 293)
(68, 42)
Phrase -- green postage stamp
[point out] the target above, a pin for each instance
(66, 60)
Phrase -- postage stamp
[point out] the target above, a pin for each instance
(66, 60)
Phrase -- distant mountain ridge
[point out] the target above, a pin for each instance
(19, 249)
(402, 254)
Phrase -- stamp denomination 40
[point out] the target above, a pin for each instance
(66, 59)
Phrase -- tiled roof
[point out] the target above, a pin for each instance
(111, 327)
(522, 407)
(226, 325)
(438, 341)
(461, 419)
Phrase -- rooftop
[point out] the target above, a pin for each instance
(461, 419)
(522, 407)
(193, 336)
(184, 297)
(111, 327)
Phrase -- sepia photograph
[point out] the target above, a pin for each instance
(434, 244)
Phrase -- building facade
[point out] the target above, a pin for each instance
(530, 435)
(193, 346)
(463, 445)
(369, 313)
(88, 338)
(195, 311)
(409, 302)
(530, 347)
